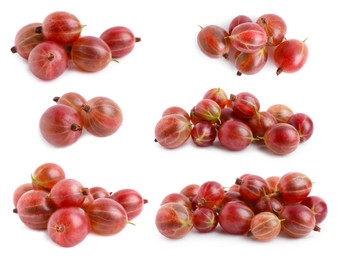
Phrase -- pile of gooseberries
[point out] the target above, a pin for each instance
(68, 211)
(62, 123)
(236, 122)
(248, 43)
(256, 207)
(50, 45)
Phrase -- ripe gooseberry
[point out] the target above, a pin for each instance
(235, 217)
(297, 220)
(61, 27)
(68, 226)
(120, 40)
(203, 134)
(47, 175)
(68, 193)
(245, 104)
(21, 189)
(294, 187)
(210, 194)
(248, 37)
(107, 216)
(26, 39)
(174, 220)
(90, 53)
(48, 60)
(260, 122)
(72, 99)
(275, 28)
(177, 198)
(318, 207)
(172, 131)
(207, 110)
(265, 226)
(176, 110)
(238, 20)
(281, 112)
(131, 200)
(102, 116)
(252, 187)
(250, 63)
(60, 125)
(204, 219)
(218, 95)
(281, 138)
(213, 41)
(290, 56)
(235, 135)
(304, 125)
(34, 209)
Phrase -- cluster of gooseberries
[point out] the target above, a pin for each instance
(62, 124)
(236, 122)
(247, 44)
(48, 46)
(260, 208)
(68, 211)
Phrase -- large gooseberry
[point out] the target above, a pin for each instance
(61, 125)
(120, 40)
(47, 175)
(48, 60)
(275, 28)
(26, 39)
(174, 220)
(62, 27)
(68, 226)
(107, 216)
(102, 116)
(265, 226)
(91, 53)
(172, 131)
(213, 41)
(290, 56)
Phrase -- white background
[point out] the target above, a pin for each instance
(166, 68)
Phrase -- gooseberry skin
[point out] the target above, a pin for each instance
(99, 192)
(21, 189)
(235, 218)
(245, 104)
(297, 220)
(131, 200)
(250, 63)
(68, 193)
(260, 122)
(90, 53)
(253, 187)
(102, 116)
(174, 220)
(120, 40)
(239, 19)
(290, 56)
(294, 187)
(203, 134)
(265, 226)
(72, 99)
(34, 208)
(107, 216)
(275, 28)
(204, 219)
(60, 125)
(281, 138)
(318, 207)
(210, 194)
(218, 95)
(190, 190)
(178, 198)
(207, 110)
(47, 175)
(68, 226)
(176, 110)
(48, 60)
(61, 27)
(304, 125)
(172, 131)
(26, 39)
(213, 41)
(235, 135)
(281, 112)
(248, 37)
